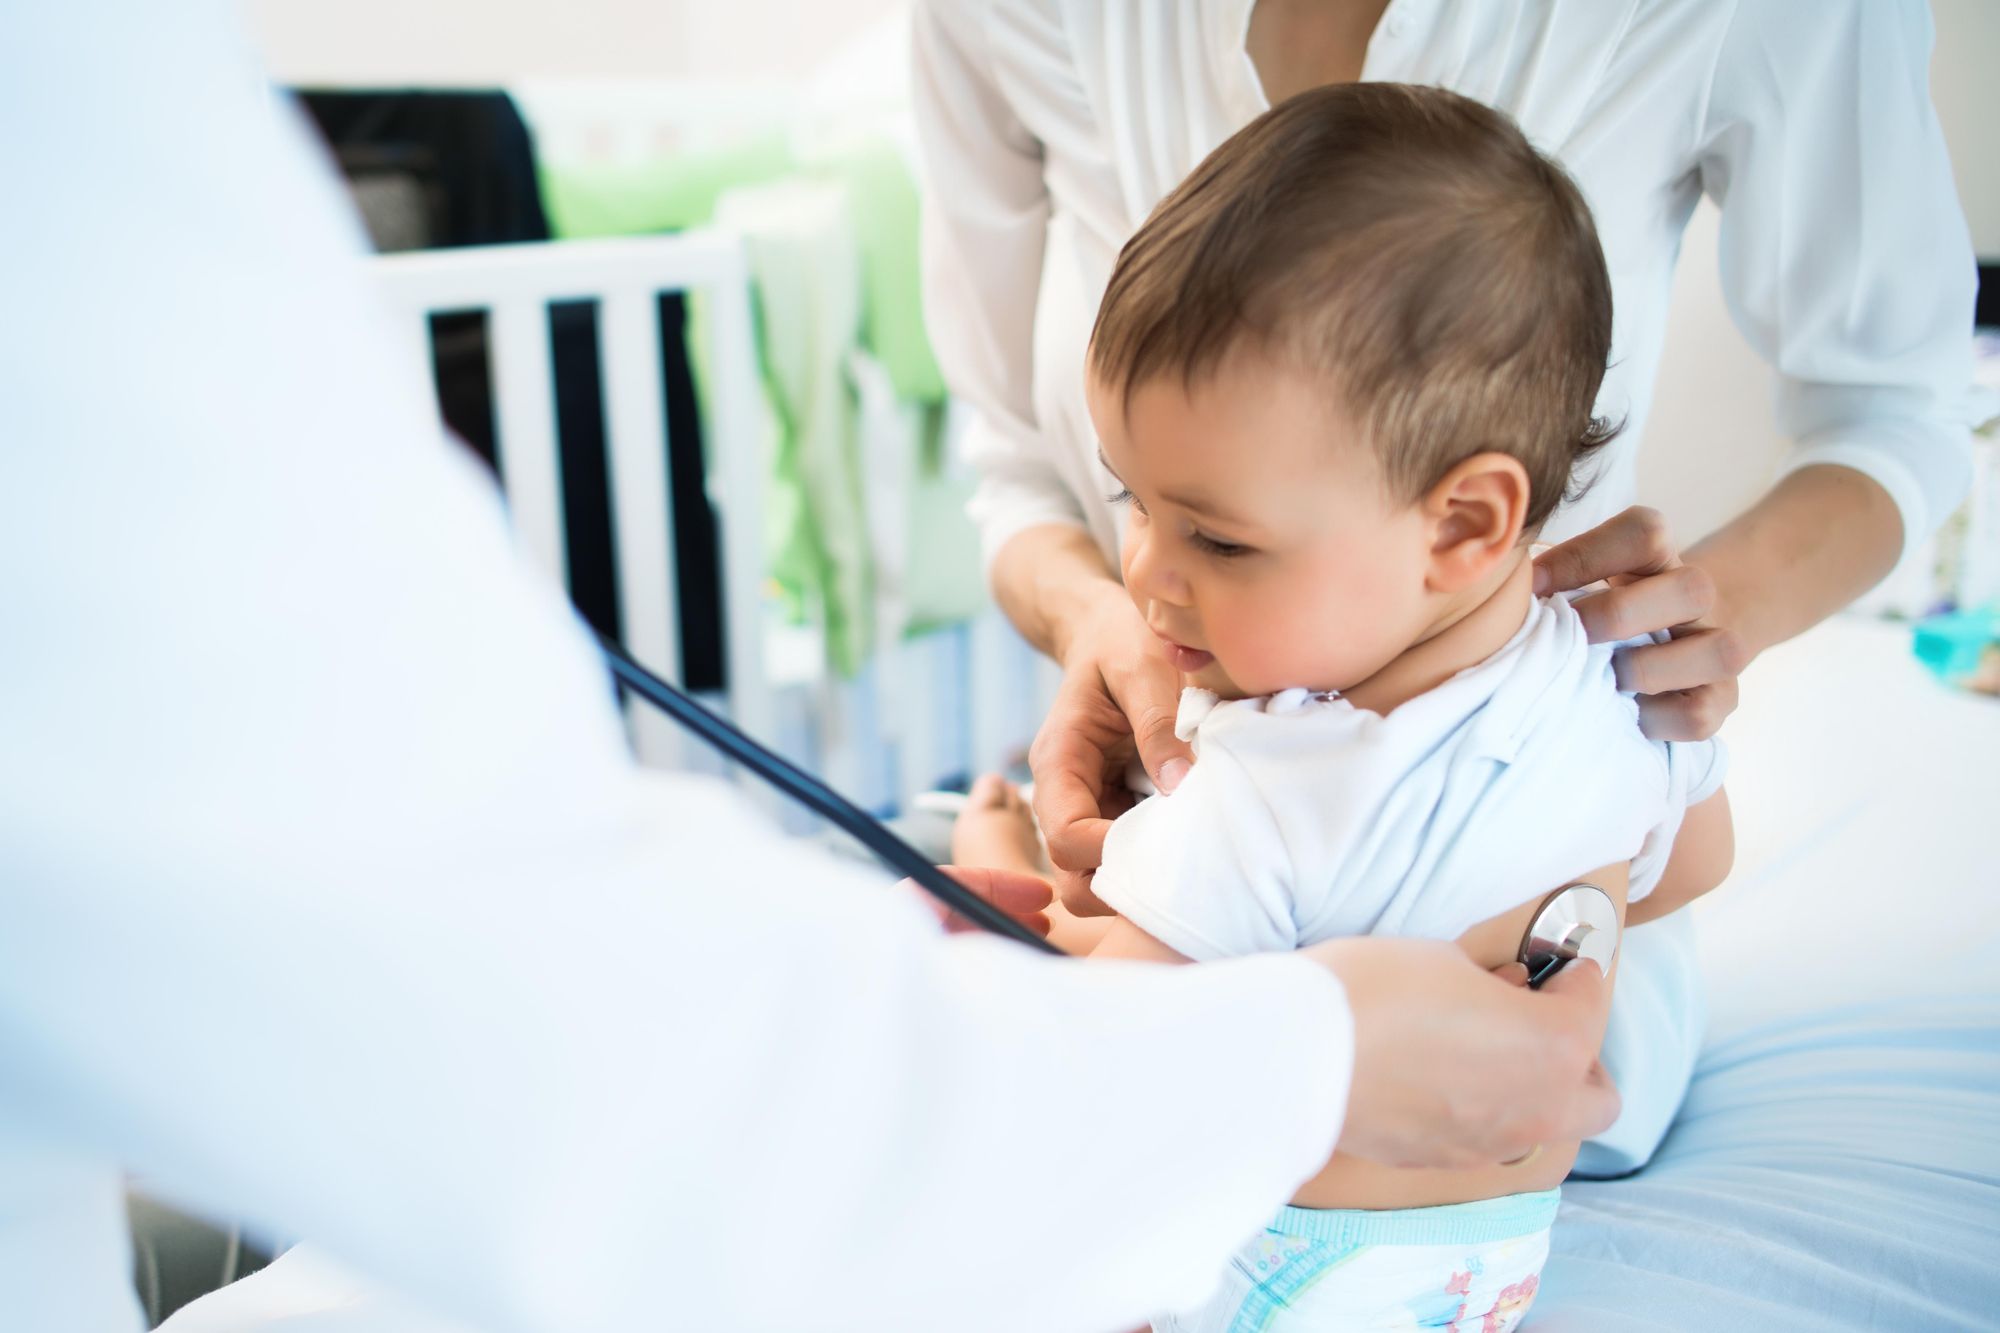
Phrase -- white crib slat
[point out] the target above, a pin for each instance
(736, 451)
(641, 517)
(515, 283)
(950, 722)
(1002, 725)
(525, 426)
(920, 662)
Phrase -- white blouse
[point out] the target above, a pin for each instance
(1050, 128)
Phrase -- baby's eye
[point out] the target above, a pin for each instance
(1225, 550)
(1125, 497)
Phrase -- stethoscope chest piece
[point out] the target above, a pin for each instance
(1579, 921)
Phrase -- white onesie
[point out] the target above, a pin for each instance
(1306, 819)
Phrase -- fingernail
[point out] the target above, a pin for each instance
(1545, 582)
(1171, 774)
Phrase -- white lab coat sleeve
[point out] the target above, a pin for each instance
(333, 900)
(985, 224)
(1845, 256)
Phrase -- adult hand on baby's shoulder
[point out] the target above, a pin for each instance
(1118, 698)
(1687, 685)
(1458, 1068)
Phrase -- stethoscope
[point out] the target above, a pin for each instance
(1577, 921)
(817, 797)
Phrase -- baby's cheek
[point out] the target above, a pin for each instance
(1267, 651)
(1301, 643)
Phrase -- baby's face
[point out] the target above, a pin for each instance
(1261, 544)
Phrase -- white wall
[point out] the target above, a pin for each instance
(1965, 84)
(486, 42)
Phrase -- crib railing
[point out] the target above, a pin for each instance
(956, 701)
(515, 285)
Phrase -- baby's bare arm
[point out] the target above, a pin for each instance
(1125, 940)
(1704, 849)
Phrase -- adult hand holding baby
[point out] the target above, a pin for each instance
(1687, 685)
(1119, 696)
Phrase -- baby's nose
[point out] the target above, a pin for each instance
(1150, 574)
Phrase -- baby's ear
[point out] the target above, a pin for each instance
(1476, 511)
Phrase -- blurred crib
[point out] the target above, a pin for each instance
(923, 711)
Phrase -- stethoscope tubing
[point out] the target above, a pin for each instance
(816, 796)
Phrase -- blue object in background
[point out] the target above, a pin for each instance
(1950, 644)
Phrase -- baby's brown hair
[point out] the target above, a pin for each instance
(1405, 243)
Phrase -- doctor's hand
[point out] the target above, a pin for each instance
(1458, 1067)
(1119, 696)
(1020, 896)
(1686, 686)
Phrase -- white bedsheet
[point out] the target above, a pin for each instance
(1837, 1164)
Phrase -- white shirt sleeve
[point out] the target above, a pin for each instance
(1204, 871)
(334, 902)
(985, 222)
(1695, 771)
(1706, 765)
(1845, 255)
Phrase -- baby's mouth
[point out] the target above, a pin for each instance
(1186, 660)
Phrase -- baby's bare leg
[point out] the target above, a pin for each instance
(997, 829)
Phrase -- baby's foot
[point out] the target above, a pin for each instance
(997, 829)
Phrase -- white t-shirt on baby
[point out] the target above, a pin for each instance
(1306, 819)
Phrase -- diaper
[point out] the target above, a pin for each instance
(1467, 1267)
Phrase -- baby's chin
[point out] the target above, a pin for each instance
(1217, 682)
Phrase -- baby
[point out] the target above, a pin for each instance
(1341, 377)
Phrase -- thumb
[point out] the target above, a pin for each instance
(1580, 978)
(1566, 567)
(1579, 988)
(1581, 993)
(1166, 756)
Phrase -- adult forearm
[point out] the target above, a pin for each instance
(1817, 540)
(1048, 580)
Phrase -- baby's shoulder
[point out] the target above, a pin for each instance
(1559, 715)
